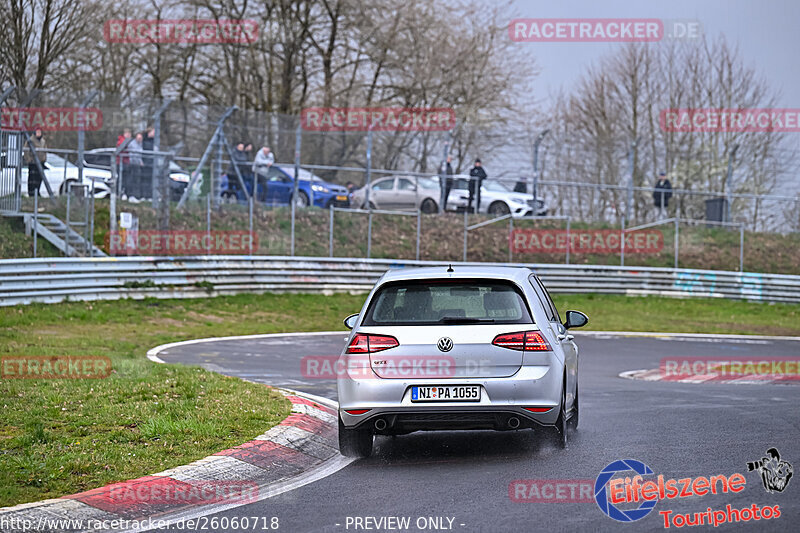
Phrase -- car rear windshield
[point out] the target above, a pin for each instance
(447, 302)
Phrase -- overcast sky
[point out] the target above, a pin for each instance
(767, 33)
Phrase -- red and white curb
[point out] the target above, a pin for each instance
(300, 449)
(657, 374)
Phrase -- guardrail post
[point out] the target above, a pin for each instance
(677, 239)
(419, 229)
(330, 232)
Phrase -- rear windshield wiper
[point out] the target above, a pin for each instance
(465, 320)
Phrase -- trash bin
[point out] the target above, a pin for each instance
(715, 210)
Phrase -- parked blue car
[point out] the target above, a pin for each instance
(280, 188)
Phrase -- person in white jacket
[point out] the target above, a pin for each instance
(263, 161)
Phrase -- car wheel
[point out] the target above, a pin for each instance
(371, 206)
(428, 206)
(573, 419)
(302, 199)
(62, 190)
(499, 209)
(229, 197)
(356, 442)
(558, 433)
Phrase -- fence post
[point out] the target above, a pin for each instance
(156, 191)
(419, 230)
(208, 223)
(465, 234)
(250, 221)
(741, 248)
(629, 200)
(82, 135)
(369, 169)
(297, 140)
(622, 244)
(369, 233)
(510, 237)
(330, 233)
(677, 239)
(35, 219)
(569, 220)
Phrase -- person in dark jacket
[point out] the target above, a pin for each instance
(662, 192)
(447, 174)
(241, 161)
(148, 160)
(478, 174)
(34, 177)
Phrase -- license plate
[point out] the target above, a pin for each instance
(342, 198)
(446, 393)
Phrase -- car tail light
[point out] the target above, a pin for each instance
(371, 343)
(356, 411)
(523, 341)
(537, 409)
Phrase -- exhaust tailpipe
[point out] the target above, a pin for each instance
(380, 424)
(513, 422)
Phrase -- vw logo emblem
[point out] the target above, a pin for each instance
(445, 344)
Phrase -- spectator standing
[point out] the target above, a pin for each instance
(148, 145)
(123, 163)
(261, 165)
(241, 162)
(662, 192)
(477, 175)
(136, 163)
(34, 177)
(447, 173)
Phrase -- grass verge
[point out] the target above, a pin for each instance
(64, 436)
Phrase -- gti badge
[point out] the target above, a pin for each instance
(445, 344)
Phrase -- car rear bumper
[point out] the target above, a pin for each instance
(501, 399)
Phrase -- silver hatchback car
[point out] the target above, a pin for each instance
(457, 348)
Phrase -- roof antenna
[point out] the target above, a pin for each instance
(450, 268)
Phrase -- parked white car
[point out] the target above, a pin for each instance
(496, 199)
(58, 172)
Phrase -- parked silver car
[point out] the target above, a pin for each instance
(457, 348)
(400, 193)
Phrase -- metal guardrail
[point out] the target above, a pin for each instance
(50, 280)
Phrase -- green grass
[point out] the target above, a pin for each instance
(64, 436)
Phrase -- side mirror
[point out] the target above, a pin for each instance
(350, 321)
(576, 319)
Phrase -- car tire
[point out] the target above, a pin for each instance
(355, 442)
(428, 206)
(371, 206)
(62, 190)
(499, 208)
(302, 199)
(573, 419)
(558, 433)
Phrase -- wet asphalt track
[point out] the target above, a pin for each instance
(677, 429)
